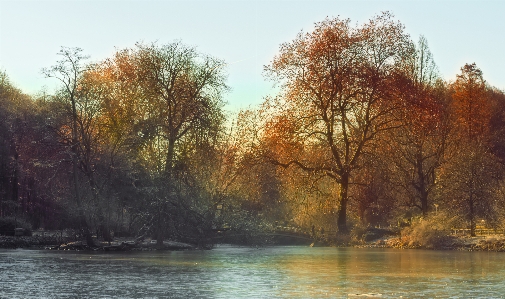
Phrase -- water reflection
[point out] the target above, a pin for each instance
(231, 272)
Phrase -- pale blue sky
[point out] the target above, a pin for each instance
(246, 34)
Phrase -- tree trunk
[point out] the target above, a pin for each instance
(104, 228)
(424, 202)
(82, 218)
(159, 229)
(472, 216)
(166, 194)
(169, 164)
(342, 209)
(102, 223)
(421, 187)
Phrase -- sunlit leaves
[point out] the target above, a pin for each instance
(416, 148)
(470, 105)
(338, 94)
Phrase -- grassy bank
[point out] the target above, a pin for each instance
(479, 243)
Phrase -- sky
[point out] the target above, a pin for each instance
(246, 34)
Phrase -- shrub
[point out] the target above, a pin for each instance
(8, 224)
(357, 233)
(432, 233)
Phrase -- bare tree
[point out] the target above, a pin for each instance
(69, 71)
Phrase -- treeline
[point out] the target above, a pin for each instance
(363, 132)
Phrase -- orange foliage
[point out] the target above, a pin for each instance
(471, 108)
(425, 113)
(280, 138)
(339, 92)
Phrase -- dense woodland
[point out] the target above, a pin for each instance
(363, 132)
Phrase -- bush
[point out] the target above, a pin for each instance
(8, 224)
(357, 233)
(431, 233)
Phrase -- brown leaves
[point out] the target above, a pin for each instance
(470, 105)
(338, 83)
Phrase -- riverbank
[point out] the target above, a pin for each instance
(53, 242)
(66, 243)
(466, 243)
(29, 241)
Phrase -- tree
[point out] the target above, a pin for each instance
(26, 160)
(472, 174)
(421, 138)
(69, 71)
(470, 106)
(338, 94)
(373, 189)
(8, 152)
(470, 183)
(177, 110)
(497, 122)
(15, 112)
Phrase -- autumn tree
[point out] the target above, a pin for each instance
(373, 189)
(473, 172)
(176, 113)
(229, 172)
(469, 185)
(470, 106)
(337, 95)
(113, 83)
(417, 147)
(497, 122)
(99, 149)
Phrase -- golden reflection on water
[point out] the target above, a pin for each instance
(386, 273)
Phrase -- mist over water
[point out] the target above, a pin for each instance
(243, 272)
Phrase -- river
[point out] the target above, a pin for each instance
(244, 272)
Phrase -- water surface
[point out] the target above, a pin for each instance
(243, 272)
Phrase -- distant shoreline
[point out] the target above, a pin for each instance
(69, 244)
(495, 243)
